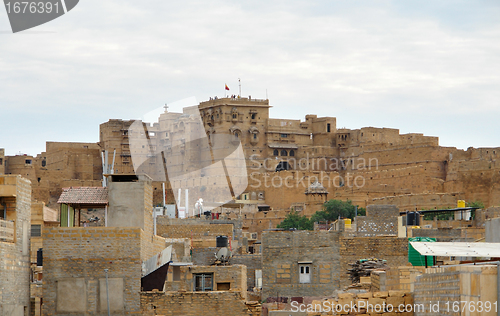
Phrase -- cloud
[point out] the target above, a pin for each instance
(381, 63)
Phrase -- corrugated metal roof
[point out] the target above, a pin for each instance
(84, 195)
(458, 249)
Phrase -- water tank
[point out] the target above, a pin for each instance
(414, 257)
(412, 219)
(39, 257)
(221, 241)
(347, 223)
(460, 204)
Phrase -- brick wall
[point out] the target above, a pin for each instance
(283, 250)
(204, 256)
(392, 249)
(83, 254)
(194, 231)
(234, 275)
(471, 283)
(402, 278)
(441, 234)
(379, 220)
(195, 304)
(252, 262)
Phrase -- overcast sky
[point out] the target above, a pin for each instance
(429, 67)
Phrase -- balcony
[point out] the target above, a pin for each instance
(6, 231)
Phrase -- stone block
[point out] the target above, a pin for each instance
(382, 294)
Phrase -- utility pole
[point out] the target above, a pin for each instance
(107, 290)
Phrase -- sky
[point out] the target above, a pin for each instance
(430, 67)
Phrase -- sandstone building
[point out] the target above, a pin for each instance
(15, 221)
(368, 165)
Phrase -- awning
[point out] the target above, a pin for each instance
(458, 249)
(286, 146)
(84, 196)
(181, 264)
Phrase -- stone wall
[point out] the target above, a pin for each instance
(402, 278)
(252, 262)
(471, 283)
(74, 263)
(392, 249)
(379, 220)
(204, 256)
(231, 277)
(493, 230)
(164, 221)
(194, 231)
(195, 304)
(63, 164)
(441, 234)
(282, 251)
(15, 194)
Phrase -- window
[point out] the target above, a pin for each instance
(292, 153)
(304, 273)
(36, 230)
(28, 161)
(284, 135)
(254, 136)
(203, 282)
(275, 152)
(284, 153)
(1, 161)
(223, 286)
(44, 163)
(177, 273)
(235, 115)
(254, 116)
(328, 127)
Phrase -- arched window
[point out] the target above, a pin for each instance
(235, 115)
(284, 153)
(292, 153)
(275, 153)
(254, 136)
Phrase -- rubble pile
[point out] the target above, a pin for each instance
(364, 267)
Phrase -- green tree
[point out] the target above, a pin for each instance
(476, 203)
(294, 220)
(332, 209)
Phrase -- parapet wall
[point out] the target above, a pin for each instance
(447, 285)
(225, 303)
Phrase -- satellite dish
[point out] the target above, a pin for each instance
(223, 255)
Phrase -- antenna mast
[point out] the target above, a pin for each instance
(239, 83)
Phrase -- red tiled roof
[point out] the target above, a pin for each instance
(84, 195)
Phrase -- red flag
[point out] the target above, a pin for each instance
(227, 88)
